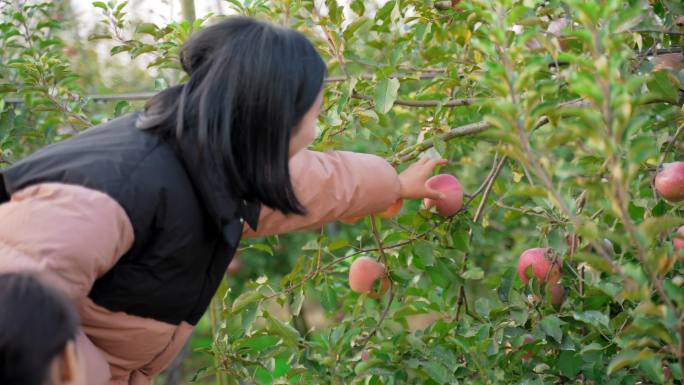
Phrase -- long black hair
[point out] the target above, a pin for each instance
(250, 83)
(35, 325)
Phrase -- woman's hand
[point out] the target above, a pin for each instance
(413, 179)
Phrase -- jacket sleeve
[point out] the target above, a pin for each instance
(332, 185)
(68, 235)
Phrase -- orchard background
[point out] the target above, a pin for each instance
(555, 116)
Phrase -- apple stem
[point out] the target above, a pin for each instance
(489, 183)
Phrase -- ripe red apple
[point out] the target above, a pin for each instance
(351, 220)
(451, 187)
(363, 274)
(391, 211)
(670, 182)
(528, 354)
(557, 294)
(540, 259)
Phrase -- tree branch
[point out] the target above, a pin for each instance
(422, 103)
(665, 32)
(669, 146)
(488, 183)
(468, 129)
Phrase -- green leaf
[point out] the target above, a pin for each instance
(592, 317)
(652, 227)
(551, 325)
(636, 213)
(569, 363)
(436, 371)
(483, 306)
(386, 93)
(297, 302)
(354, 26)
(287, 333)
(592, 347)
(627, 358)
(338, 244)
(262, 247)
(100, 4)
(506, 284)
(663, 87)
(147, 28)
(653, 367)
(365, 366)
(245, 299)
(249, 315)
(424, 255)
(328, 298)
(474, 273)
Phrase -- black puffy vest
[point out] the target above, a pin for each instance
(186, 225)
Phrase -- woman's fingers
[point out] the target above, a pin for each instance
(434, 194)
(438, 162)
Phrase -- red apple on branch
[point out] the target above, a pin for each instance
(363, 275)
(669, 182)
(541, 261)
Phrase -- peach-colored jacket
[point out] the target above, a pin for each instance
(70, 235)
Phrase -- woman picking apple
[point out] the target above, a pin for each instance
(137, 219)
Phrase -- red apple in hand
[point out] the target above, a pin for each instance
(363, 274)
(670, 182)
(449, 186)
(540, 259)
(391, 211)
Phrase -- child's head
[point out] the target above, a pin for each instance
(251, 102)
(37, 331)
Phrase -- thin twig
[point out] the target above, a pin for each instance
(669, 146)
(382, 318)
(661, 51)
(621, 196)
(422, 103)
(489, 183)
(665, 32)
(486, 181)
